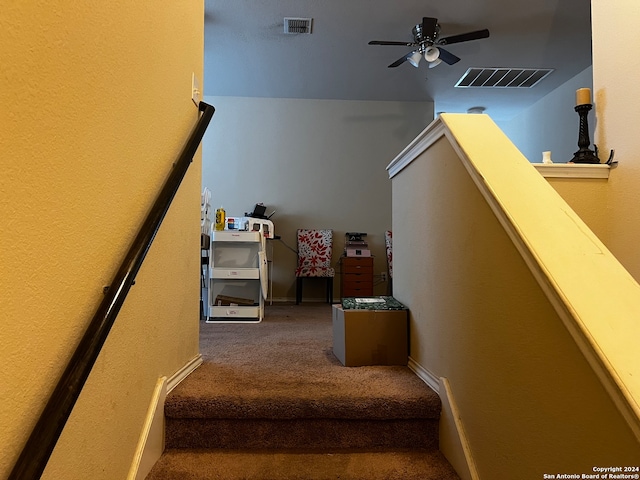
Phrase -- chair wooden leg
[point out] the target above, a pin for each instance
(298, 290)
(330, 290)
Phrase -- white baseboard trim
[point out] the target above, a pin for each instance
(184, 372)
(454, 443)
(151, 442)
(425, 375)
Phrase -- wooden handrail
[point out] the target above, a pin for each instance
(40, 444)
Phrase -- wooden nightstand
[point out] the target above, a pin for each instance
(356, 277)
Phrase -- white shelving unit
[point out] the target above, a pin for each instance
(237, 271)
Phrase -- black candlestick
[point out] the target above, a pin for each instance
(584, 154)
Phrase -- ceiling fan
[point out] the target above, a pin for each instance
(426, 36)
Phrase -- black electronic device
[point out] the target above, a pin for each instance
(355, 236)
(258, 211)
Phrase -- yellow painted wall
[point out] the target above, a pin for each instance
(529, 401)
(586, 197)
(95, 109)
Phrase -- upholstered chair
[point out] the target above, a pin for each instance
(314, 259)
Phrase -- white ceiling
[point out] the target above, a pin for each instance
(248, 55)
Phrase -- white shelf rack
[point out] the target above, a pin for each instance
(236, 269)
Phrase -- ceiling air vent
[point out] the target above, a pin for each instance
(502, 77)
(297, 25)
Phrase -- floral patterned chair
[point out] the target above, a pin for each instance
(314, 259)
(388, 242)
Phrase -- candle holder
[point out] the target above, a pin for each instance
(584, 154)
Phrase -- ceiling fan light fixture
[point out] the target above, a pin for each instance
(414, 59)
(431, 54)
(435, 63)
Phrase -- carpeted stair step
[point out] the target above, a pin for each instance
(180, 464)
(376, 407)
(272, 402)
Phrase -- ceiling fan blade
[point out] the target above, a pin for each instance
(429, 27)
(400, 61)
(447, 57)
(464, 37)
(383, 42)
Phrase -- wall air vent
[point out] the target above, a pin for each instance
(297, 25)
(502, 77)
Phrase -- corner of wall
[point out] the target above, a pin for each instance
(453, 440)
(151, 443)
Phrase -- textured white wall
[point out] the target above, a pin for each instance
(615, 74)
(95, 109)
(318, 163)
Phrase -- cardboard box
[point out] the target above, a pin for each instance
(226, 300)
(370, 337)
